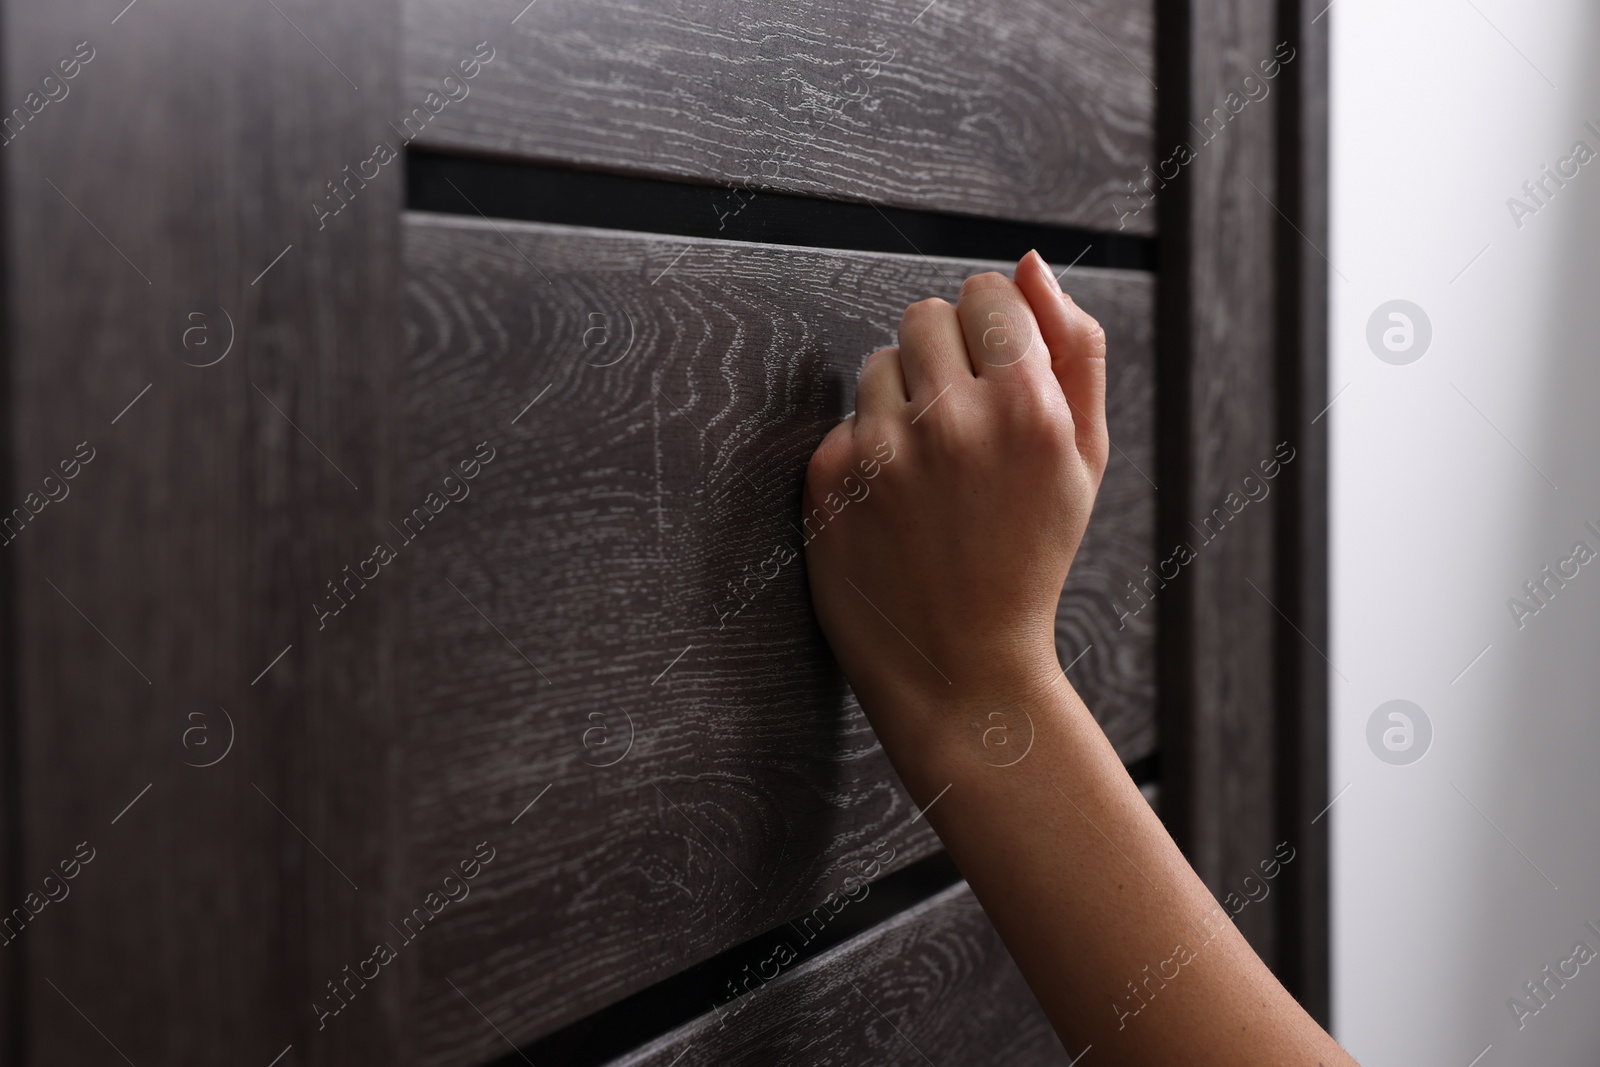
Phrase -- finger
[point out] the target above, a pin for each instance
(1077, 347)
(829, 459)
(997, 322)
(933, 353)
(882, 389)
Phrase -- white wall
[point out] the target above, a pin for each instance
(1443, 506)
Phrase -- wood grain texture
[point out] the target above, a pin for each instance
(932, 985)
(1029, 110)
(1220, 786)
(182, 160)
(677, 389)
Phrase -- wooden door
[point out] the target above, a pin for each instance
(420, 646)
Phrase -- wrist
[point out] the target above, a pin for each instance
(987, 716)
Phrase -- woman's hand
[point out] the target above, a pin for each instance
(942, 517)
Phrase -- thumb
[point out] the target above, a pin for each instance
(1077, 355)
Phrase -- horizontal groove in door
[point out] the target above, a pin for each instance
(650, 1013)
(497, 188)
(714, 983)
(936, 978)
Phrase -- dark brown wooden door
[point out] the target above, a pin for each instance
(421, 647)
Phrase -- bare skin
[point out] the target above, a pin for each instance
(983, 436)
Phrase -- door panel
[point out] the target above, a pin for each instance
(615, 609)
(1028, 110)
(175, 710)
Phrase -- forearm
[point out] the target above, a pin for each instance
(1118, 938)
(938, 590)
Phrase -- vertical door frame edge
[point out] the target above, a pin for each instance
(13, 1036)
(1295, 731)
(1303, 783)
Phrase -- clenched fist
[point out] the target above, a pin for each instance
(943, 515)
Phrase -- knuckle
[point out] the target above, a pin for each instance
(1098, 452)
(1037, 412)
(987, 280)
(875, 387)
(1094, 335)
(831, 454)
(1045, 425)
(1057, 435)
(881, 356)
(923, 308)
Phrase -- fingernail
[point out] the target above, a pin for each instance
(1048, 273)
